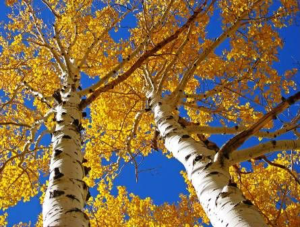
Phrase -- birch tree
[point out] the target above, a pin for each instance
(164, 87)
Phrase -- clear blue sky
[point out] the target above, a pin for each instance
(163, 183)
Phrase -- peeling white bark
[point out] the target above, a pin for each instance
(222, 201)
(67, 193)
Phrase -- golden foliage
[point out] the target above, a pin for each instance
(129, 210)
(118, 127)
(273, 190)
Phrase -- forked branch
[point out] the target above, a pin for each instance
(140, 61)
(115, 69)
(239, 139)
(37, 94)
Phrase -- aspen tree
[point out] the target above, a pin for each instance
(167, 63)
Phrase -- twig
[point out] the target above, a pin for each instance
(281, 167)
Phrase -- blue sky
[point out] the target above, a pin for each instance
(164, 182)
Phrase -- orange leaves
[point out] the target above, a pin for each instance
(241, 50)
(289, 74)
(291, 6)
(10, 2)
(289, 83)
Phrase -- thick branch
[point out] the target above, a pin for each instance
(62, 49)
(139, 62)
(237, 129)
(147, 77)
(238, 156)
(239, 139)
(207, 143)
(15, 123)
(51, 9)
(122, 63)
(113, 71)
(37, 94)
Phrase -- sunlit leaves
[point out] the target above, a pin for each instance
(3, 220)
(273, 190)
(130, 210)
(234, 84)
(18, 183)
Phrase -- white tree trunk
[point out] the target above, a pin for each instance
(67, 192)
(222, 201)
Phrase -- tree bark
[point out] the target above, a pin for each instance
(67, 192)
(222, 201)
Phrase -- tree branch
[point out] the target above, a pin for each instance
(15, 123)
(62, 49)
(237, 129)
(219, 88)
(51, 9)
(141, 60)
(207, 143)
(239, 139)
(187, 75)
(122, 63)
(97, 85)
(147, 77)
(37, 94)
(167, 69)
(281, 167)
(137, 120)
(14, 95)
(238, 156)
(100, 37)
(43, 39)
